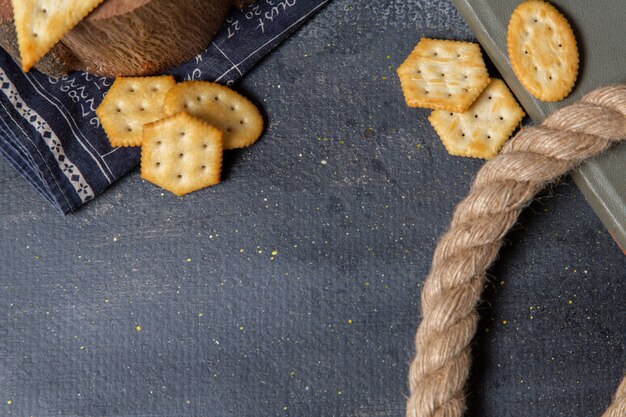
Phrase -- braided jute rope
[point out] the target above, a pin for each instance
(501, 189)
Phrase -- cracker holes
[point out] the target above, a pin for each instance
(182, 134)
(241, 122)
(179, 176)
(501, 118)
(129, 128)
(131, 89)
(229, 129)
(476, 116)
(159, 143)
(44, 10)
(489, 98)
(157, 165)
(181, 155)
(232, 108)
(488, 136)
(205, 146)
(142, 108)
(155, 89)
(203, 167)
(199, 99)
(118, 109)
(35, 35)
(216, 98)
(462, 134)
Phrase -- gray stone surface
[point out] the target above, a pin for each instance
(292, 288)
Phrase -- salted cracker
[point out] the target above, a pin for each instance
(40, 24)
(130, 103)
(482, 129)
(219, 106)
(543, 50)
(443, 74)
(181, 154)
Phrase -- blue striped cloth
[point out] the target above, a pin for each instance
(48, 127)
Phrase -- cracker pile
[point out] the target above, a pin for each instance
(182, 129)
(472, 114)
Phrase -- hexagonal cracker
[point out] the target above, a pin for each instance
(181, 154)
(130, 103)
(480, 131)
(442, 74)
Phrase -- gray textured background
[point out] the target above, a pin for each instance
(351, 188)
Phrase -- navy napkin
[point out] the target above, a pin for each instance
(48, 127)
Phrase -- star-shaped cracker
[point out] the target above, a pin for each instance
(130, 103)
(480, 131)
(442, 74)
(181, 154)
(40, 24)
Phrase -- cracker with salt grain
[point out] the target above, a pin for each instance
(130, 103)
(219, 106)
(181, 154)
(482, 129)
(443, 74)
(543, 51)
(40, 24)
